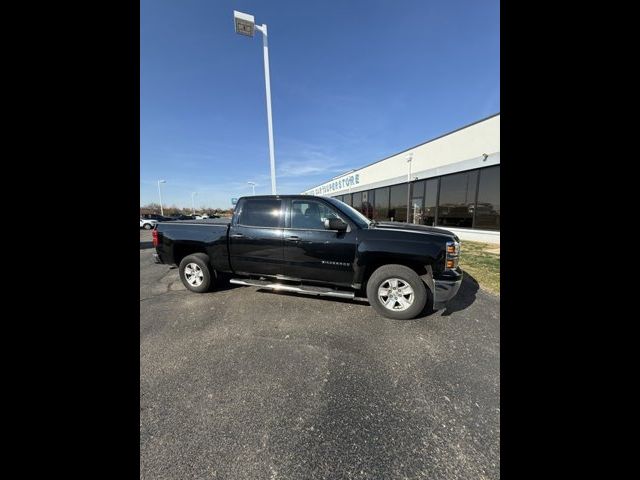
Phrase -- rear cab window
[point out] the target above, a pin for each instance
(266, 213)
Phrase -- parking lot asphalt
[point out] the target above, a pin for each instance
(242, 383)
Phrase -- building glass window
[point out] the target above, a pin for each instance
(430, 201)
(417, 188)
(381, 204)
(488, 207)
(417, 203)
(398, 203)
(357, 201)
(367, 203)
(457, 199)
(468, 199)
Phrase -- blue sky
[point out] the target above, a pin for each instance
(351, 81)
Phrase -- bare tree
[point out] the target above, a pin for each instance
(154, 209)
(150, 208)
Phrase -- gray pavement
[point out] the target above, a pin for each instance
(242, 383)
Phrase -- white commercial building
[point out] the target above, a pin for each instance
(451, 181)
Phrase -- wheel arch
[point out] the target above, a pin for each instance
(425, 272)
(181, 250)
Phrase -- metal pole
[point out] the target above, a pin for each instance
(160, 195)
(193, 205)
(267, 83)
(409, 159)
(253, 187)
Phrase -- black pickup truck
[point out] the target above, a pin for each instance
(318, 246)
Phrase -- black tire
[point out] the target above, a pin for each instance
(408, 276)
(147, 226)
(208, 274)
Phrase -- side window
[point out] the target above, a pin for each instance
(261, 213)
(310, 214)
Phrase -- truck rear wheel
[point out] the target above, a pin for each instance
(195, 273)
(397, 292)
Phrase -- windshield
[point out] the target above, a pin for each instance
(352, 213)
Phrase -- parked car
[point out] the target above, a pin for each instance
(147, 223)
(159, 218)
(317, 246)
(183, 217)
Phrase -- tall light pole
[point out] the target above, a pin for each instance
(193, 205)
(253, 186)
(160, 195)
(409, 159)
(245, 25)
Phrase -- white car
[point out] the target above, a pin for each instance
(148, 223)
(202, 217)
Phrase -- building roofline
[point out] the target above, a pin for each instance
(410, 148)
(278, 195)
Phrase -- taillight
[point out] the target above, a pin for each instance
(155, 237)
(453, 254)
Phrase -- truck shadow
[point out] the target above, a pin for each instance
(222, 284)
(146, 245)
(315, 297)
(465, 296)
(463, 299)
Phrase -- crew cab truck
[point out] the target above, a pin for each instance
(318, 246)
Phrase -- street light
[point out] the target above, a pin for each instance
(245, 25)
(160, 195)
(253, 186)
(193, 205)
(409, 159)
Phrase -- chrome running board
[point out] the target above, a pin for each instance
(307, 290)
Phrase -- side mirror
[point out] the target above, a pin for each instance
(335, 224)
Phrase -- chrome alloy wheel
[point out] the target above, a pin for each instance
(396, 294)
(193, 274)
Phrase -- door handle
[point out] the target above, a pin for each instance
(237, 235)
(293, 238)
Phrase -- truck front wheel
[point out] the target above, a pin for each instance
(195, 272)
(397, 292)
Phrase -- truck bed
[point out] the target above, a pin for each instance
(176, 239)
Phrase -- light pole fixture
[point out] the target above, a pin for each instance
(253, 186)
(245, 25)
(193, 205)
(160, 195)
(409, 159)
